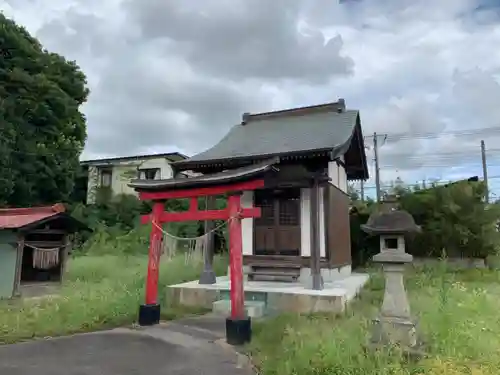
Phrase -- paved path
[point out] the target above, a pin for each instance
(186, 347)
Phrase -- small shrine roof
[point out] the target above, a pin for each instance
(229, 176)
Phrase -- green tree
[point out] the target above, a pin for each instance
(353, 193)
(455, 219)
(42, 131)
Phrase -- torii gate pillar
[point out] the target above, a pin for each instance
(238, 325)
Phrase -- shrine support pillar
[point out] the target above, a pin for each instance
(238, 325)
(208, 275)
(316, 278)
(149, 313)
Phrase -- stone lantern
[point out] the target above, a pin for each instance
(394, 324)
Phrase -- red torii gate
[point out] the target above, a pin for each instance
(238, 325)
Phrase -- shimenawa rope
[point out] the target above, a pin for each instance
(45, 258)
(196, 246)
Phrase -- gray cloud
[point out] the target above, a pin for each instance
(177, 74)
(243, 39)
(181, 73)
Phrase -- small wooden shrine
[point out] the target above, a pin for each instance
(286, 174)
(303, 233)
(312, 152)
(34, 246)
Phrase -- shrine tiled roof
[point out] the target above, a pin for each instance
(328, 127)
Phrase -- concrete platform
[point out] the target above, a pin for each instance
(274, 297)
(253, 309)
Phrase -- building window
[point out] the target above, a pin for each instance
(149, 174)
(106, 177)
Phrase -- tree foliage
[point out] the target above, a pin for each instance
(455, 222)
(118, 217)
(42, 130)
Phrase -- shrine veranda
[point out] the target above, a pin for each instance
(267, 298)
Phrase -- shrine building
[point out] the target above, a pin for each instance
(300, 153)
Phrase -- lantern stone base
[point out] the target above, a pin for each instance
(400, 332)
(392, 330)
(149, 314)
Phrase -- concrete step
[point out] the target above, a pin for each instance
(272, 276)
(273, 264)
(283, 274)
(275, 271)
(253, 309)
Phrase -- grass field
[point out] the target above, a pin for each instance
(458, 315)
(99, 292)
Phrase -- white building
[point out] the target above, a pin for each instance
(116, 173)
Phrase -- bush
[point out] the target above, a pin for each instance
(118, 218)
(113, 241)
(363, 247)
(122, 211)
(455, 221)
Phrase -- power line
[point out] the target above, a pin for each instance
(420, 182)
(466, 152)
(443, 159)
(493, 130)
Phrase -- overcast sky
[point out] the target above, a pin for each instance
(175, 75)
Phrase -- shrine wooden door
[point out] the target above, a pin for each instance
(277, 231)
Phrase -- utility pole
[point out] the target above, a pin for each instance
(377, 169)
(485, 172)
(362, 190)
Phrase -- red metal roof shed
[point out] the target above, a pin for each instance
(34, 245)
(24, 218)
(14, 218)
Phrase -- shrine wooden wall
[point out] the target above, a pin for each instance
(338, 230)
